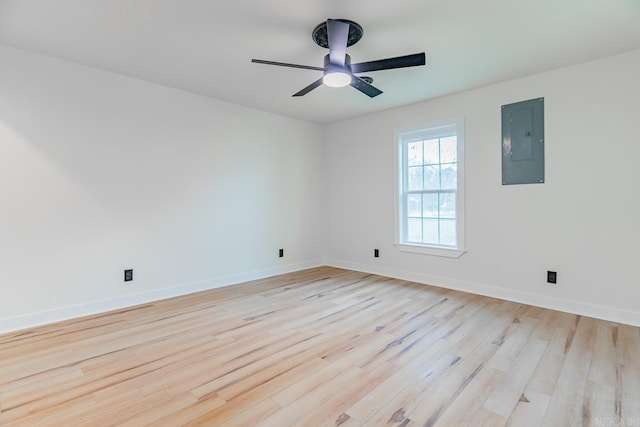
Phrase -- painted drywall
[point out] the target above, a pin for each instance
(100, 172)
(583, 222)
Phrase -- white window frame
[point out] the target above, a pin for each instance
(423, 132)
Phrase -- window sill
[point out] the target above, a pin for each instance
(430, 250)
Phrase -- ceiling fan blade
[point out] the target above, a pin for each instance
(365, 87)
(309, 88)
(284, 64)
(389, 63)
(337, 32)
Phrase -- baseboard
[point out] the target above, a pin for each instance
(65, 313)
(576, 307)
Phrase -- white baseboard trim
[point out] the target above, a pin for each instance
(31, 320)
(576, 307)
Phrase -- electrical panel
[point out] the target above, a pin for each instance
(523, 142)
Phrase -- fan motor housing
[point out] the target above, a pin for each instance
(347, 66)
(347, 62)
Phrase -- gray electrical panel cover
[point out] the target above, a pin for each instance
(523, 142)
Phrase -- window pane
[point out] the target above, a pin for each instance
(448, 149)
(431, 152)
(414, 205)
(450, 176)
(432, 177)
(430, 231)
(414, 230)
(430, 205)
(414, 153)
(415, 178)
(448, 232)
(448, 205)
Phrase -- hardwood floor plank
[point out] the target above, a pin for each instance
(421, 385)
(237, 370)
(628, 387)
(429, 410)
(530, 409)
(265, 390)
(188, 414)
(511, 389)
(305, 384)
(485, 418)
(492, 329)
(599, 407)
(604, 359)
(160, 411)
(428, 337)
(566, 406)
(294, 411)
(468, 404)
(519, 334)
(254, 415)
(332, 412)
(548, 370)
(132, 408)
(382, 394)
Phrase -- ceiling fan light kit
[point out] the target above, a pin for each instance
(337, 35)
(336, 78)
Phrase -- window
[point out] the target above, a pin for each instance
(430, 189)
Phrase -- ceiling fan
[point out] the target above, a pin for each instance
(337, 35)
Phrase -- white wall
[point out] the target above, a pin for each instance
(583, 222)
(100, 172)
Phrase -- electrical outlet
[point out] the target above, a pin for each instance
(376, 253)
(280, 253)
(128, 275)
(552, 277)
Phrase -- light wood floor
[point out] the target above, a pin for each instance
(324, 347)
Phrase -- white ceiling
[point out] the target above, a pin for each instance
(206, 46)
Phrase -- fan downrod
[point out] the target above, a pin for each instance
(321, 38)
